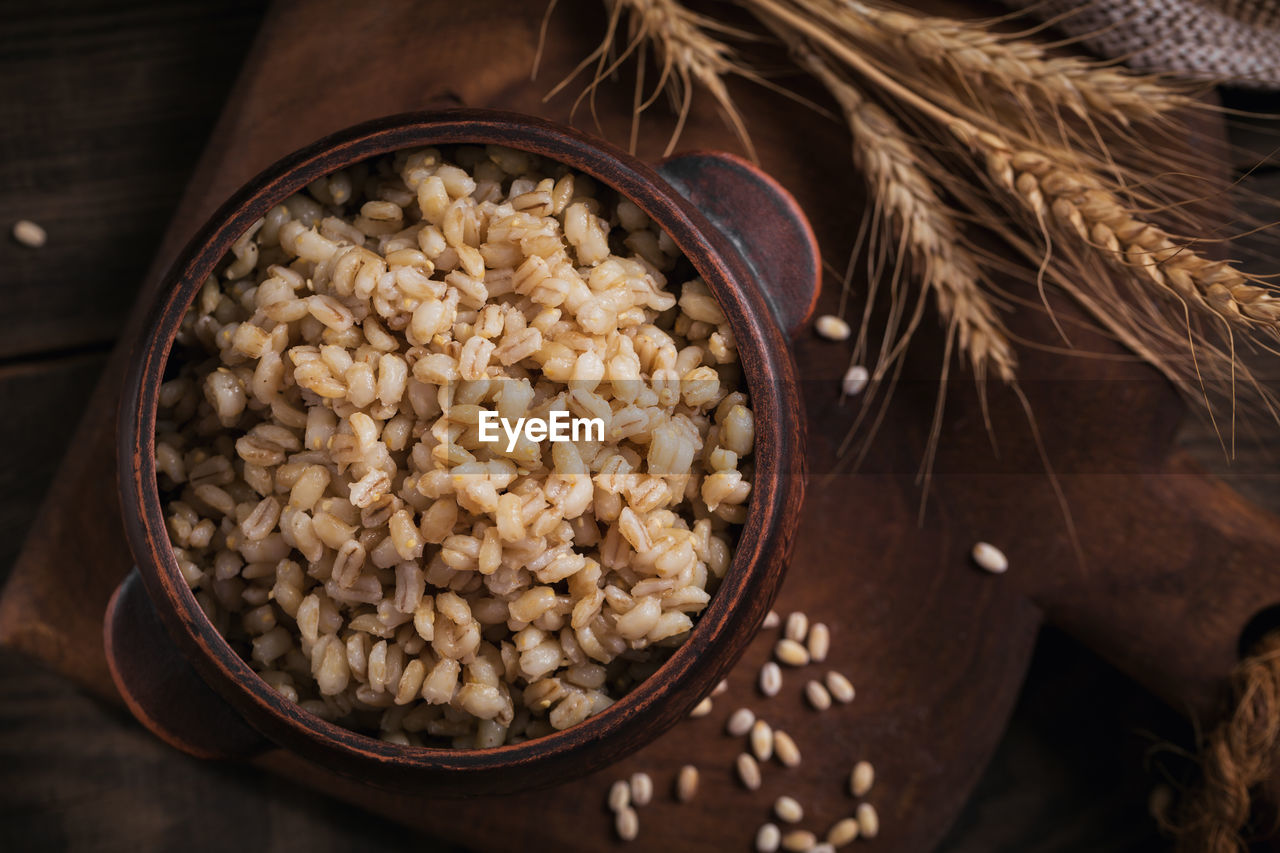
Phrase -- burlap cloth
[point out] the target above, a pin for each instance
(1229, 40)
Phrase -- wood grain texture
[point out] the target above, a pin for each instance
(76, 775)
(1066, 777)
(45, 399)
(1000, 833)
(88, 80)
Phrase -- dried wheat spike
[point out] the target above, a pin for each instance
(1017, 65)
(897, 176)
(688, 53)
(1059, 193)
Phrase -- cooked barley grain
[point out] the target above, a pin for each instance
(832, 328)
(799, 841)
(818, 642)
(748, 771)
(761, 740)
(687, 783)
(990, 558)
(785, 748)
(868, 820)
(770, 678)
(855, 380)
(841, 688)
(627, 823)
(861, 778)
(619, 795)
(740, 722)
(788, 809)
(817, 695)
(843, 832)
(768, 838)
(790, 652)
(29, 233)
(641, 788)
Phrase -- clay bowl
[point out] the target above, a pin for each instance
(743, 234)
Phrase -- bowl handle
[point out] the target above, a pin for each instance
(161, 688)
(762, 221)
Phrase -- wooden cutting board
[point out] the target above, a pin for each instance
(1172, 565)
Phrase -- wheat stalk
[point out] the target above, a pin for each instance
(1033, 134)
(1056, 191)
(990, 60)
(688, 53)
(1128, 238)
(898, 176)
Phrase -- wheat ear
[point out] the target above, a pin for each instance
(1212, 288)
(688, 54)
(988, 59)
(898, 176)
(1053, 190)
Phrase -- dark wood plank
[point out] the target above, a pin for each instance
(77, 775)
(1077, 763)
(103, 109)
(44, 401)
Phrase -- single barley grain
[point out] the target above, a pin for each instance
(785, 748)
(722, 687)
(817, 695)
(840, 687)
(788, 809)
(702, 708)
(627, 823)
(770, 678)
(843, 832)
(868, 820)
(29, 233)
(790, 652)
(861, 778)
(619, 795)
(771, 620)
(762, 740)
(686, 783)
(855, 380)
(740, 722)
(990, 558)
(819, 642)
(748, 771)
(799, 841)
(641, 788)
(797, 627)
(768, 837)
(822, 847)
(832, 328)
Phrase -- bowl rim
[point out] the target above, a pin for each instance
(750, 580)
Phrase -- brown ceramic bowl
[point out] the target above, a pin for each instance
(748, 240)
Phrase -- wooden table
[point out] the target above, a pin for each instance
(105, 112)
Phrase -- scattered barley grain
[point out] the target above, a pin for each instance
(990, 558)
(791, 653)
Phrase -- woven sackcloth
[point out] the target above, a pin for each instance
(1236, 40)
